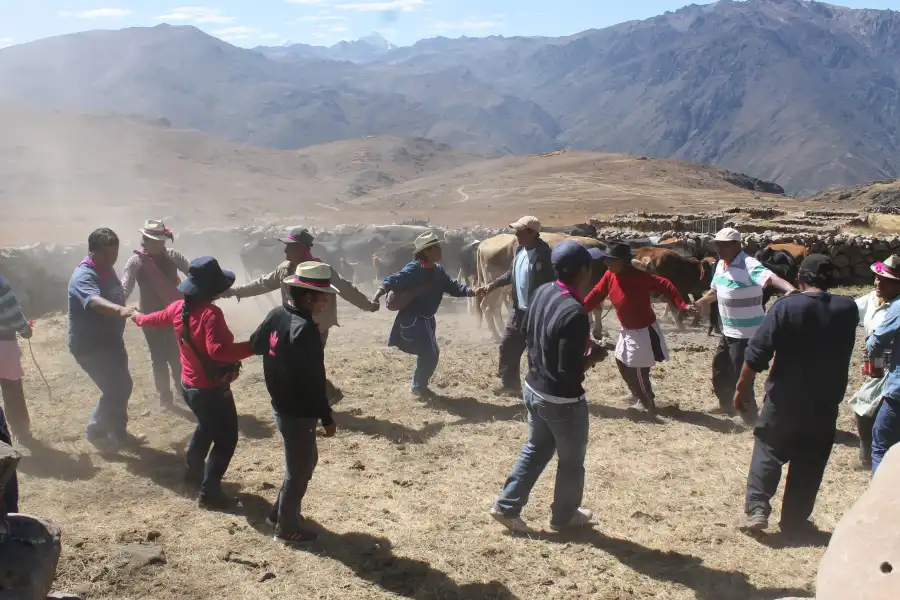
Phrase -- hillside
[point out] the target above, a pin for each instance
(66, 174)
(801, 93)
(878, 196)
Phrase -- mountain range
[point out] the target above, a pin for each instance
(801, 93)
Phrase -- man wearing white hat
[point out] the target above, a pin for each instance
(154, 268)
(737, 286)
(531, 268)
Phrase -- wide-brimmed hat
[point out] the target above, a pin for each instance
(425, 241)
(729, 234)
(532, 223)
(618, 251)
(299, 235)
(156, 230)
(206, 278)
(889, 269)
(312, 275)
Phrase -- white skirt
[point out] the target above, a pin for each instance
(640, 348)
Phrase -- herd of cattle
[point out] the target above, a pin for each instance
(368, 254)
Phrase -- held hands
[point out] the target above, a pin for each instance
(128, 312)
(481, 292)
(742, 398)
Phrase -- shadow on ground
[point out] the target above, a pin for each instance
(46, 462)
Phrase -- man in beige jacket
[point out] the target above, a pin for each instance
(298, 249)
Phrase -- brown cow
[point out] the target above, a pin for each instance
(690, 276)
(495, 255)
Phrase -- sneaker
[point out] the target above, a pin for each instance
(582, 518)
(505, 390)
(801, 529)
(216, 501)
(298, 536)
(755, 521)
(514, 524)
(424, 393)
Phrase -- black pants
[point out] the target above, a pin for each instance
(164, 355)
(16, 409)
(804, 441)
(638, 382)
(216, 434)
(9, 495)
(511, 348)
(300, 459)
(726, 366)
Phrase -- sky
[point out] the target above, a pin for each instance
(325, 22)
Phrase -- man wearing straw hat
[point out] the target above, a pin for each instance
(298, 249)
(13, 324)
(154, 268)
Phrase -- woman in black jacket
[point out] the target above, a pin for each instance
(294, 368)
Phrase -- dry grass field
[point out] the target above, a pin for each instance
(402, 492)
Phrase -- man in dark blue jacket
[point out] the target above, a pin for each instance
(557, 333)
(811, 337)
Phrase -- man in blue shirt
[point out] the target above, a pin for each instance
(811, 337)
(531, 268)
(885, 339)
(97, 317)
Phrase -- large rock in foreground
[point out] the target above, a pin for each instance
(28, 558)
(863, 559)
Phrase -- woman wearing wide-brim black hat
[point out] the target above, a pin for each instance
(210, 361)
(641, 343)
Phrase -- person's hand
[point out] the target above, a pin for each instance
(480, 292)
(742, 399)
(330, 430)
(229, 293)
(376, 297)
(596, 354)
(374, 306)
(127, 312)
(689, 311)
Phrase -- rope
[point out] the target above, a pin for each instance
(34, 360)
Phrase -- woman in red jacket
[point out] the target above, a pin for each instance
(641, 343)
(209, 363)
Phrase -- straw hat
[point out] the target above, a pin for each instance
(425, 241)
(889, 269)
(312, 275)
(156, 230)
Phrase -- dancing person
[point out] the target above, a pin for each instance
(209, 364)
(737, 286)
(13, 323)
(810, 335)
(294, 367)
(641, 343)
(97, 317)
(298, 249)
(557, 330)
(872, 310)
(529, 270)
(154, 268)
(886, 338)
(423, 283)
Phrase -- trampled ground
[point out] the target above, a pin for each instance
(402, 492)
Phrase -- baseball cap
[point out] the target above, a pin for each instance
(728, 234)
(568, 257)
(818, 265)
(299, 235)
(532, 223)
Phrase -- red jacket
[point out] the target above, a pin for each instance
(630, 293)
(210, 334)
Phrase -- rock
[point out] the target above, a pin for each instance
(28, 558)
(138, 556)
(862, 561)
(63, 596)
(863, 270)
(265, 485)
(358, 466)
(841, 260)
(268, 575)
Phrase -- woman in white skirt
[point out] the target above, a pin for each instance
(872, 308)
(641, 343)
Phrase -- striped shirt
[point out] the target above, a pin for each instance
(739, 290)
(12, 321)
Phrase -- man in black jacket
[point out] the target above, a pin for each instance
(531, 268)
(294, 368)
(557, 332)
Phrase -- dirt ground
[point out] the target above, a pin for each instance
(402, 492)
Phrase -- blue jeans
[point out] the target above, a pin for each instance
(10, 496)
(560, 428)
(216, 435)
(108, 369)
(426, 365)
(300, 459)
(886, 432)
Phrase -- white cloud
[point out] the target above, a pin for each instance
(334, 28)
(385, 6)
(269, 36)
(95, 13)
(196, 14)
(241, 30)
(466, 25)
(318, 18)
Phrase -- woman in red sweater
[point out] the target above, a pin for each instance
(210, 361)
(641, 343)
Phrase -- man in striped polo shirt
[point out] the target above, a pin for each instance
(738, 287)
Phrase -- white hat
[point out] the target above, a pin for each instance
(312, 275)
(156, 230)
(425, 241)
(889, 269)
(532, 223)
(728, 234)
